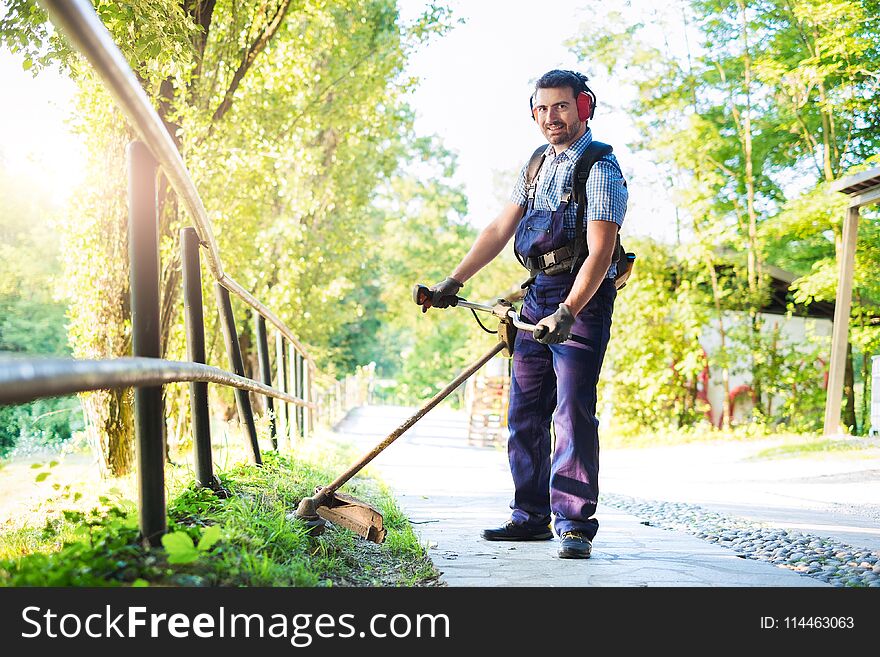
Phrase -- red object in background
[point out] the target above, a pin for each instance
(825, 372)
(736, 393)
(703, 389)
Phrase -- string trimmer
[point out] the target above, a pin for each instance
(328, 505)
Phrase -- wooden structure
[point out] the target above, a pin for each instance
(487, 396)
(863, 189)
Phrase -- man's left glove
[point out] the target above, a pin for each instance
(443, 293)
(555, 328)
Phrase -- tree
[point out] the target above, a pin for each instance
(31, 319)
(654, 360)
(288, 116)
(772, 87)
(423, 238)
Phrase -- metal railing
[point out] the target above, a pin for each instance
(23, 380)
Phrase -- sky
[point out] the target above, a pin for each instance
(473, 93)
(35, 140)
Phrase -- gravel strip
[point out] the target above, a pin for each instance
(836, 563)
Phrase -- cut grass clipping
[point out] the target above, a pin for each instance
(251, 538)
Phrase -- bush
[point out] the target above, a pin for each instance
(42, 423)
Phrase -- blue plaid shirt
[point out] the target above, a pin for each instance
(606, 188)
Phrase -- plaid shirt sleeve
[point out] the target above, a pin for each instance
(606, 192)
(518, 195)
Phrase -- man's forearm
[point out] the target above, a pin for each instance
(489, 243)
(587, 281)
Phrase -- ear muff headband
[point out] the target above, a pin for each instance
(586, 99)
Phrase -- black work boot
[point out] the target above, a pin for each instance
(511, 531)
(575, 545)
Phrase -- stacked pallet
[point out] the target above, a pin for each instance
(486, 397)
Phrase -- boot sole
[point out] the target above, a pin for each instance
(573, 554)
(538, 537)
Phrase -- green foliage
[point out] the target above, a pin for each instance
(248, 538)
(423, 237)
(180, 548)
(31, 318)
(753, 112)
(43, 423)
(654, 358)
(791, 374)
(290, 117)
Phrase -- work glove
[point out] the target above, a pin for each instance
(555, 328)
(443, 294)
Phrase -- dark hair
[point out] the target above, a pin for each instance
(558, 78)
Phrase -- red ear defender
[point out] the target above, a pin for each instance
(585, 106)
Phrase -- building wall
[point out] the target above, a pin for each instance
(792, 329)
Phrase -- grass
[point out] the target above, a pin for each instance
(623, 437)
(814, 446)
(250, 538)
(784, 445)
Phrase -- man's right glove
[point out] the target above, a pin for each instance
(443, 294)
(555, 328)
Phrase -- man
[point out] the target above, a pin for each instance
(554, 378)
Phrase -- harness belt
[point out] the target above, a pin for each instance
(554, 262)
(564, 259)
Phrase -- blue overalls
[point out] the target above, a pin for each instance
(556, 383)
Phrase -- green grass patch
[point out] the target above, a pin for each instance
(250, 538)
(820, 447)
(619, 437)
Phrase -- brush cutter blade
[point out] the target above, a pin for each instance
(351, 513)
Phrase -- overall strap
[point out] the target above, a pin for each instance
(534, 166)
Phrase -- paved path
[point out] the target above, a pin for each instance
(451, 490)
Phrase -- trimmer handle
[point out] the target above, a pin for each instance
(422, 294)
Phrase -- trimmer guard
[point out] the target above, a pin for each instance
(358, 516)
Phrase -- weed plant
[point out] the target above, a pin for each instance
(245, 535)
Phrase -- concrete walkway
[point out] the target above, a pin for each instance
(451, 491)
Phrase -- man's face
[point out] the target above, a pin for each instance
(555, 111)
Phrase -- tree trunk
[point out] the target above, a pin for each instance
(109, 423)
(752, 238)
(99, 310)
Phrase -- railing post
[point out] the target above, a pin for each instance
(297, 385)
(195, 352)
(149, 415)
(309, 397)
(281, 366)
(233, 350)
(294, 387)
(266, 372)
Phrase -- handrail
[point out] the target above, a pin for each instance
(23, 380)
(80, 23)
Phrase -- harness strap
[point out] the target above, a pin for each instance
(570, 256)
(594, 152)
(534, 166)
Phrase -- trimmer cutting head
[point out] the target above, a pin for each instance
(308, 513)
(344, 510)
